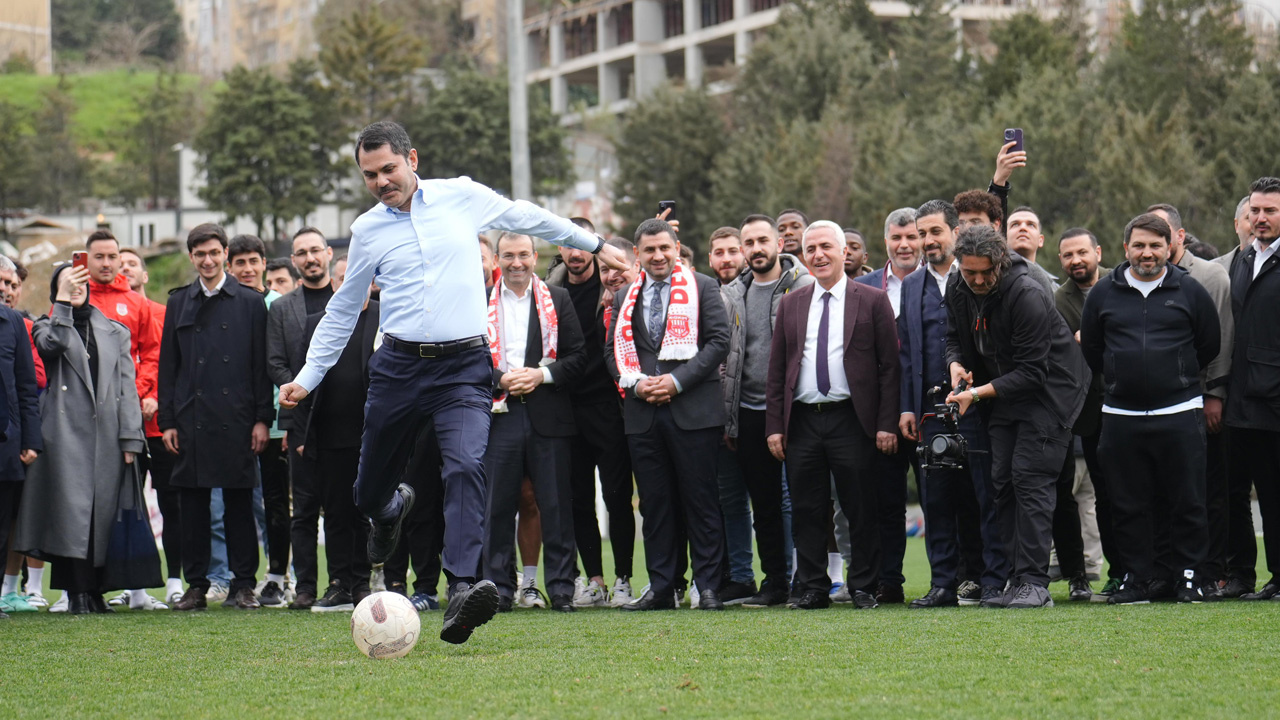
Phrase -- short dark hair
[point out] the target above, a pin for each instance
(724, 232)
(758, 217)
(1175, 217)
(134, 252)
(583, 223)
(21, 269)
(98, 235)
(1151, 223)
(245, 245)
(653, 226)
(622, 244)
(979, 201)
(1265, 184)
(382, 133)
(686, 254)
(983, 241)
(1077, 232)
(1199, 248)
(309, 229)
(340, 257)
(1025, 209)
(205, 232)
(283, 264)
(855, 231)
(793, 211)
(484, 241)
(933, 207)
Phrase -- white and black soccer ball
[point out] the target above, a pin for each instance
(385, 625)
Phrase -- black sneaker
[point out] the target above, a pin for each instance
(271, 595)
(383, 536)
(1188, 589)
(504, 604)
(1161, 590)
(562, 603)
(737, 593)
(1235, 587)
(1212, 591)
(470, 606)
(1131, 592)
(335, 599)
(863, 600)
(398, 588)
(770, 594)
(968, 593)
(993, 596)
(1081, 591)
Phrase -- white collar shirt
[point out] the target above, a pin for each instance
(1264, 254)
(807, 384)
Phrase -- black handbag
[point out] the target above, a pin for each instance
(132, 558)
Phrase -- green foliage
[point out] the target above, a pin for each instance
(146, 164)
(64, 171)
(18, 63)
(125, 30)
(16, 167)
(464, 129)
(370, 61)
(256, 149)
(1028, 44)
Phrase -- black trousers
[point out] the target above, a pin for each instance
(1217, 504)
(160, 465)
(422, 536)
(1102, 504)
(826, 445)
(1242, 544)
(1150, 457)
(275, 501)
(242, 536)
(1068, 538)
(890, 475)
(1027, 448)
(676, 477)
(1259, 450)
(304, 525)
(969, 532)
(762, 473)
(515, 451)
(346, 531)
(601, 443)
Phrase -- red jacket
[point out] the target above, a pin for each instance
(152, 426)
(132, 310)
(41, 380)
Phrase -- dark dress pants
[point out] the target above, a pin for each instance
(304, 525)
(455, 393)
(515, 451)
(601, 443)
(346, 531)
(1027, 448)
(826, 445)
(1242, 543)
(1103, 505)
(1259, 452)
(1217, 504)
(676, 477)
(160, 466)
(275, 500)
(1149, 457)
(762, 473)
(242, 536)
(1068, 538)
(423, 532)
(890, 475)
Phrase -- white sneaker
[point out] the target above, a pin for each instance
(531, 597)
(842, 595)
(62, 604)
(378, 580)
(589, 594)
(216, 593)
(695, 597)
(121, 599)
(36, 599)
(621, 594)
(146, 602)
(173, 596)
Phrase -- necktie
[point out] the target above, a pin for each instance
(824, 325)
(655, 309)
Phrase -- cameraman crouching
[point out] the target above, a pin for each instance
(1006, 340)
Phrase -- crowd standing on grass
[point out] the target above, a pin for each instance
(445, 409)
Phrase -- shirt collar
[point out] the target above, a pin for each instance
(509, 293)
(418, 195)
(952, 268)
(1270, 249)
(220, 287)
(837, 290)
(648, 280)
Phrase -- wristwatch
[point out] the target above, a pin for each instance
(973, 394)
(600, 246)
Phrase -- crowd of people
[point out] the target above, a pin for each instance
(773, 410)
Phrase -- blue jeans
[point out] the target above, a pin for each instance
(219, 570)
(736, 508)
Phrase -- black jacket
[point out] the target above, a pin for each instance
(304, 413)
(1253, 392)
(1069, 299)
(1149, 350)
(214, 384)
(18, 374)
(1036, 360)
(551, 406)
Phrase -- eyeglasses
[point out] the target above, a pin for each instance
(313, 251)
(522, 257)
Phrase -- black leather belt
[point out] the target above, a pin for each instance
(435, 350)
(824, 407)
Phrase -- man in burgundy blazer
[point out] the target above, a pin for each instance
(831, 401)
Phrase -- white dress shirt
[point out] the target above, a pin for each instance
(1263, 255)
(893, 288)
(807, 384)
(941, 279)
(515, 327)
(216, 288)
(427, 265)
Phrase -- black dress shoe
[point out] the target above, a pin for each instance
(1235, 587)
(1267, 592)
(936, 597)
(383, 536)
(770, 594)
(79, 604)
(244, 599)
(812, 600)
(470, 606)
(737, 593)
(1161, 590)
(359, 595)
(890, 595)
(303, 601)
(709, 600)
(649, 601)
(863, 600)
(563, 603)
(1081, 591)
(505, 603)
(98, 605)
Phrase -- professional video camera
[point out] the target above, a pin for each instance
(947, 450)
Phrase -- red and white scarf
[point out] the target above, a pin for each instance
(547, 321)
(679, 342)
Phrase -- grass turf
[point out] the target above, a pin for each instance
(1072, 660)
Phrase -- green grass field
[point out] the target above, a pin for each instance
(1069, 661)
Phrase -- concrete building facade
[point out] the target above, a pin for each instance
(26, 30)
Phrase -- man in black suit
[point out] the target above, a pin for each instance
(538, 355)
(286, 354)
(668, 336)
(1253, 396)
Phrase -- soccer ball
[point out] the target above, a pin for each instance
(385, 625)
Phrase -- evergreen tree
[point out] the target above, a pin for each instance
(371, 62)
(16, 165)
(65, 173)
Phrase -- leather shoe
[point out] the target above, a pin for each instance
(98, 605)
(562, 603)
(649, 601)
(470, 606)
(192, 599)
(505, 603)
(709, 600)
(936, 597)
(771, 593)
(863, 600)
(890, 595)
(1268, 591)
(303, 601)
(813, 600)
(243, 599)
(359, 595)
(383, 536)
(79, 604)
(1235, 587)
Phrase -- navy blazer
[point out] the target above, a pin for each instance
(911, 341)
(875, 279)
(18, 373)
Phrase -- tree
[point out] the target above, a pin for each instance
(332, 133)
(64, 172)
(123, 30)
(370, 61)
(464, 129)
(255, 149)
(16, 168)
(164, 120)
(1027, 44)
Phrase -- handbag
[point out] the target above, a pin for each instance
(132, 558)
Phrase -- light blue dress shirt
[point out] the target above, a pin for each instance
(427, 264)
